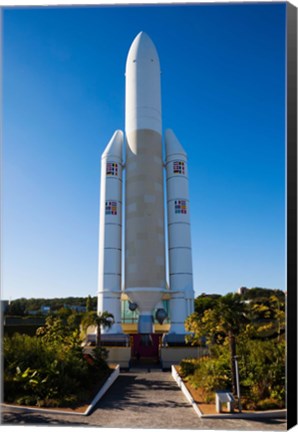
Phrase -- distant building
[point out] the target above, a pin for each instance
(242, 290)
(45, 309)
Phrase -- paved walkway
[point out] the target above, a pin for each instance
(144, 400)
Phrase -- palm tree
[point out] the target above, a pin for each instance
(225, 317)
(230, 315)
(89, 304)
(99, 320)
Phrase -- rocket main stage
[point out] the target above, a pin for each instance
(144, 279)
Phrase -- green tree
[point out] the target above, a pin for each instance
(60, 331)
(63, 313)
(277, 305)
(266, 315)
(204, 302)
(262, 293)
(223, 321)
(89, 304)
(100, 320)
(257, 325)
(17, 307)
(230, 314)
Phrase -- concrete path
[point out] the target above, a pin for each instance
(143, 400)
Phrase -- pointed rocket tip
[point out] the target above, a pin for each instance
(114, 147)
(173, 145)
(142, 38)
(142, 35)
(142, 47)
(118, 133)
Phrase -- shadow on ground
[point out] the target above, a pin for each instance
(25, 417)
(129, 391)
(144, 400)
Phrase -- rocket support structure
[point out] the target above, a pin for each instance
(145, 249)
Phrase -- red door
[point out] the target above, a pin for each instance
(145, 346)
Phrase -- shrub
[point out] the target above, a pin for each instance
(210, 374)
(188, 367)
(262, 370)
(49, 370)
(268, 404)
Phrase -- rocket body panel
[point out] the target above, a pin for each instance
(144, 213)
(144, 195)
(179, 238)
(110, 237)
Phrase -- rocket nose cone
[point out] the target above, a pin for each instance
(114, 147)
(142, 88)
(142, 48)
(172, 143)
(143, 39)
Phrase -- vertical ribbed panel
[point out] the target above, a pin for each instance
(110, 231)
(179, 238)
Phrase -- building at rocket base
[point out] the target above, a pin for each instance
(135, 191)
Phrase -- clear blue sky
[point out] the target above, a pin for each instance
(223, 94)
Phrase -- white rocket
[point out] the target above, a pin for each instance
(145, 249)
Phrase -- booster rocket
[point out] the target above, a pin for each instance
(144, 220)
